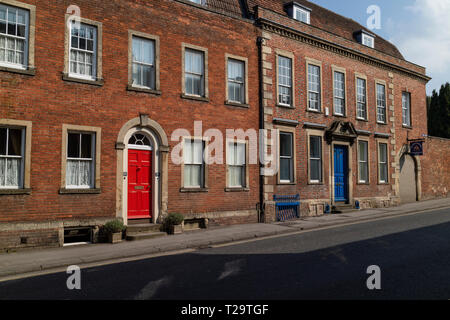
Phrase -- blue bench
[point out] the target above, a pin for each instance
(287, 207)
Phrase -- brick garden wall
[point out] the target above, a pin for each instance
(436, 168)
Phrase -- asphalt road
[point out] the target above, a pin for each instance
(413, 253)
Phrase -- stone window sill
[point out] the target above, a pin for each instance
(361, 119)
(407, 127)
(193, 190)
(196, 98)
(7, 192)
(237, 104)
(237, 189)
(28, 72)
(79, 191)
(98, 82)
(143, 90)
(285, 106)
(314, 111)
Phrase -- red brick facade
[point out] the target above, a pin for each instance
(47, 100)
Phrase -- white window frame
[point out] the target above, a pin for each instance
(94, 52)
(362, 162)
(382, 163)
(141, 63)
(336, 89)
(91, 160)
(241, 83)
(21, 157)
(310, 91)
(199, 2)
(311, 159)
(360, 101)
(288, 56)
(201, 75)
(381, 103)
(298, 12)
(232, 163)
(406, 109)
(291, 157)
(203, 174)
(16, 38)
(367, 40)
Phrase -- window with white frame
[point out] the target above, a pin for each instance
(406, 109)
(383, 162)
(236, 165)
(236, 81)
(363, 160)
(194, 72)
(11, 158)
(367, 40)
(314, 97)
(194, 164)
(286, 157)
(381, 103)
(302, 15)
(14, 36)
(361, 99)
(80, 160)
(144, 70)
(202, 2)
(339, 93)
(315, 159)
(83, 51)
(284, 81)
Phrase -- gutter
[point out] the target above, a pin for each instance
(261, 205)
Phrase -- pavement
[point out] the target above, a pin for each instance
(24, 263)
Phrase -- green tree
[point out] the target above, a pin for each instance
(438, 108)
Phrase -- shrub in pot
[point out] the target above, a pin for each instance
(114, 230)
(174, 223)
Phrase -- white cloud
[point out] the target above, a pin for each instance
(424, 38)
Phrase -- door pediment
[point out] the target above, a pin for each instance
(341, 131)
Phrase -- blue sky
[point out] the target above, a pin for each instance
(419, 28)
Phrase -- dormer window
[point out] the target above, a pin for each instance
(365, 39)
(368, 40)
(298, 12)
(301, 14)
(201, 2)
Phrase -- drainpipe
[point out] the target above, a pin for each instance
(261, 205)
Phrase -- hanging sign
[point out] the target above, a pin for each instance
(416, 148)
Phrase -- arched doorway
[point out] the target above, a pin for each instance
(408, 179)
(142, 165)
(140, 176)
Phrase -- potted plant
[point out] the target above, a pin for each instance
(114, 230)
(174, 223)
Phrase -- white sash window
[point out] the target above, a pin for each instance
(194, 72)
(11, 158)
(381, 103)
(144, 71)
(80, 160)
(236, 81)
(284, 81)
(361, 99)
(236, 161)
(83, 51)
(314, 88)
(194, 163)
(14, 31)
(339, 93)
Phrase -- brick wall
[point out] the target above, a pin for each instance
(435, 168)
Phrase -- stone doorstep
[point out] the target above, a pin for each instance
(134, 236)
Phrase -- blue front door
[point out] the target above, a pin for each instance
(340, 173)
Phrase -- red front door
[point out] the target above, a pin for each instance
(139, 184)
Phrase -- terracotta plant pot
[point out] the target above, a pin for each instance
(115, 237)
